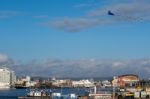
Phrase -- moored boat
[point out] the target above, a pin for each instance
(36, 94)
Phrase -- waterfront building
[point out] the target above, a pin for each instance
(83, 83)
(62, 83)
(7, 78)
(25, 82)
(12, 78)
(128, 82)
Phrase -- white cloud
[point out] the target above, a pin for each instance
(7, 14)
(135, 11)
(3, 58)
(41, 16)
(138, 9)
(77, 24)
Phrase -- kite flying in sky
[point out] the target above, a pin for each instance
(110, 13)
(122, 16)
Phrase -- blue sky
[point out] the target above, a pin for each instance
(73, 29)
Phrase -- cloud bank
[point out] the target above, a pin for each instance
(79, 68)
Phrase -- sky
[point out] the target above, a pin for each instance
(74, 30)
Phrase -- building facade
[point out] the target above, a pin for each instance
(7, 78)
(123, 81)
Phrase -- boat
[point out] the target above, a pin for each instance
(20, 87)
(37, 94)
(95, 95)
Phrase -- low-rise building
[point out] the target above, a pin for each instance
(25, 82)
(82, 83)
(62, 83)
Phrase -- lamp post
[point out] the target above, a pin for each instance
(113, 92)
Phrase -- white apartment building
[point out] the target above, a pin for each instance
(7, 78)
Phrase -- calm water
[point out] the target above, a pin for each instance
(14, 93)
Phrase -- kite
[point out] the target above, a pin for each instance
(110, 13)
(123, 17)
